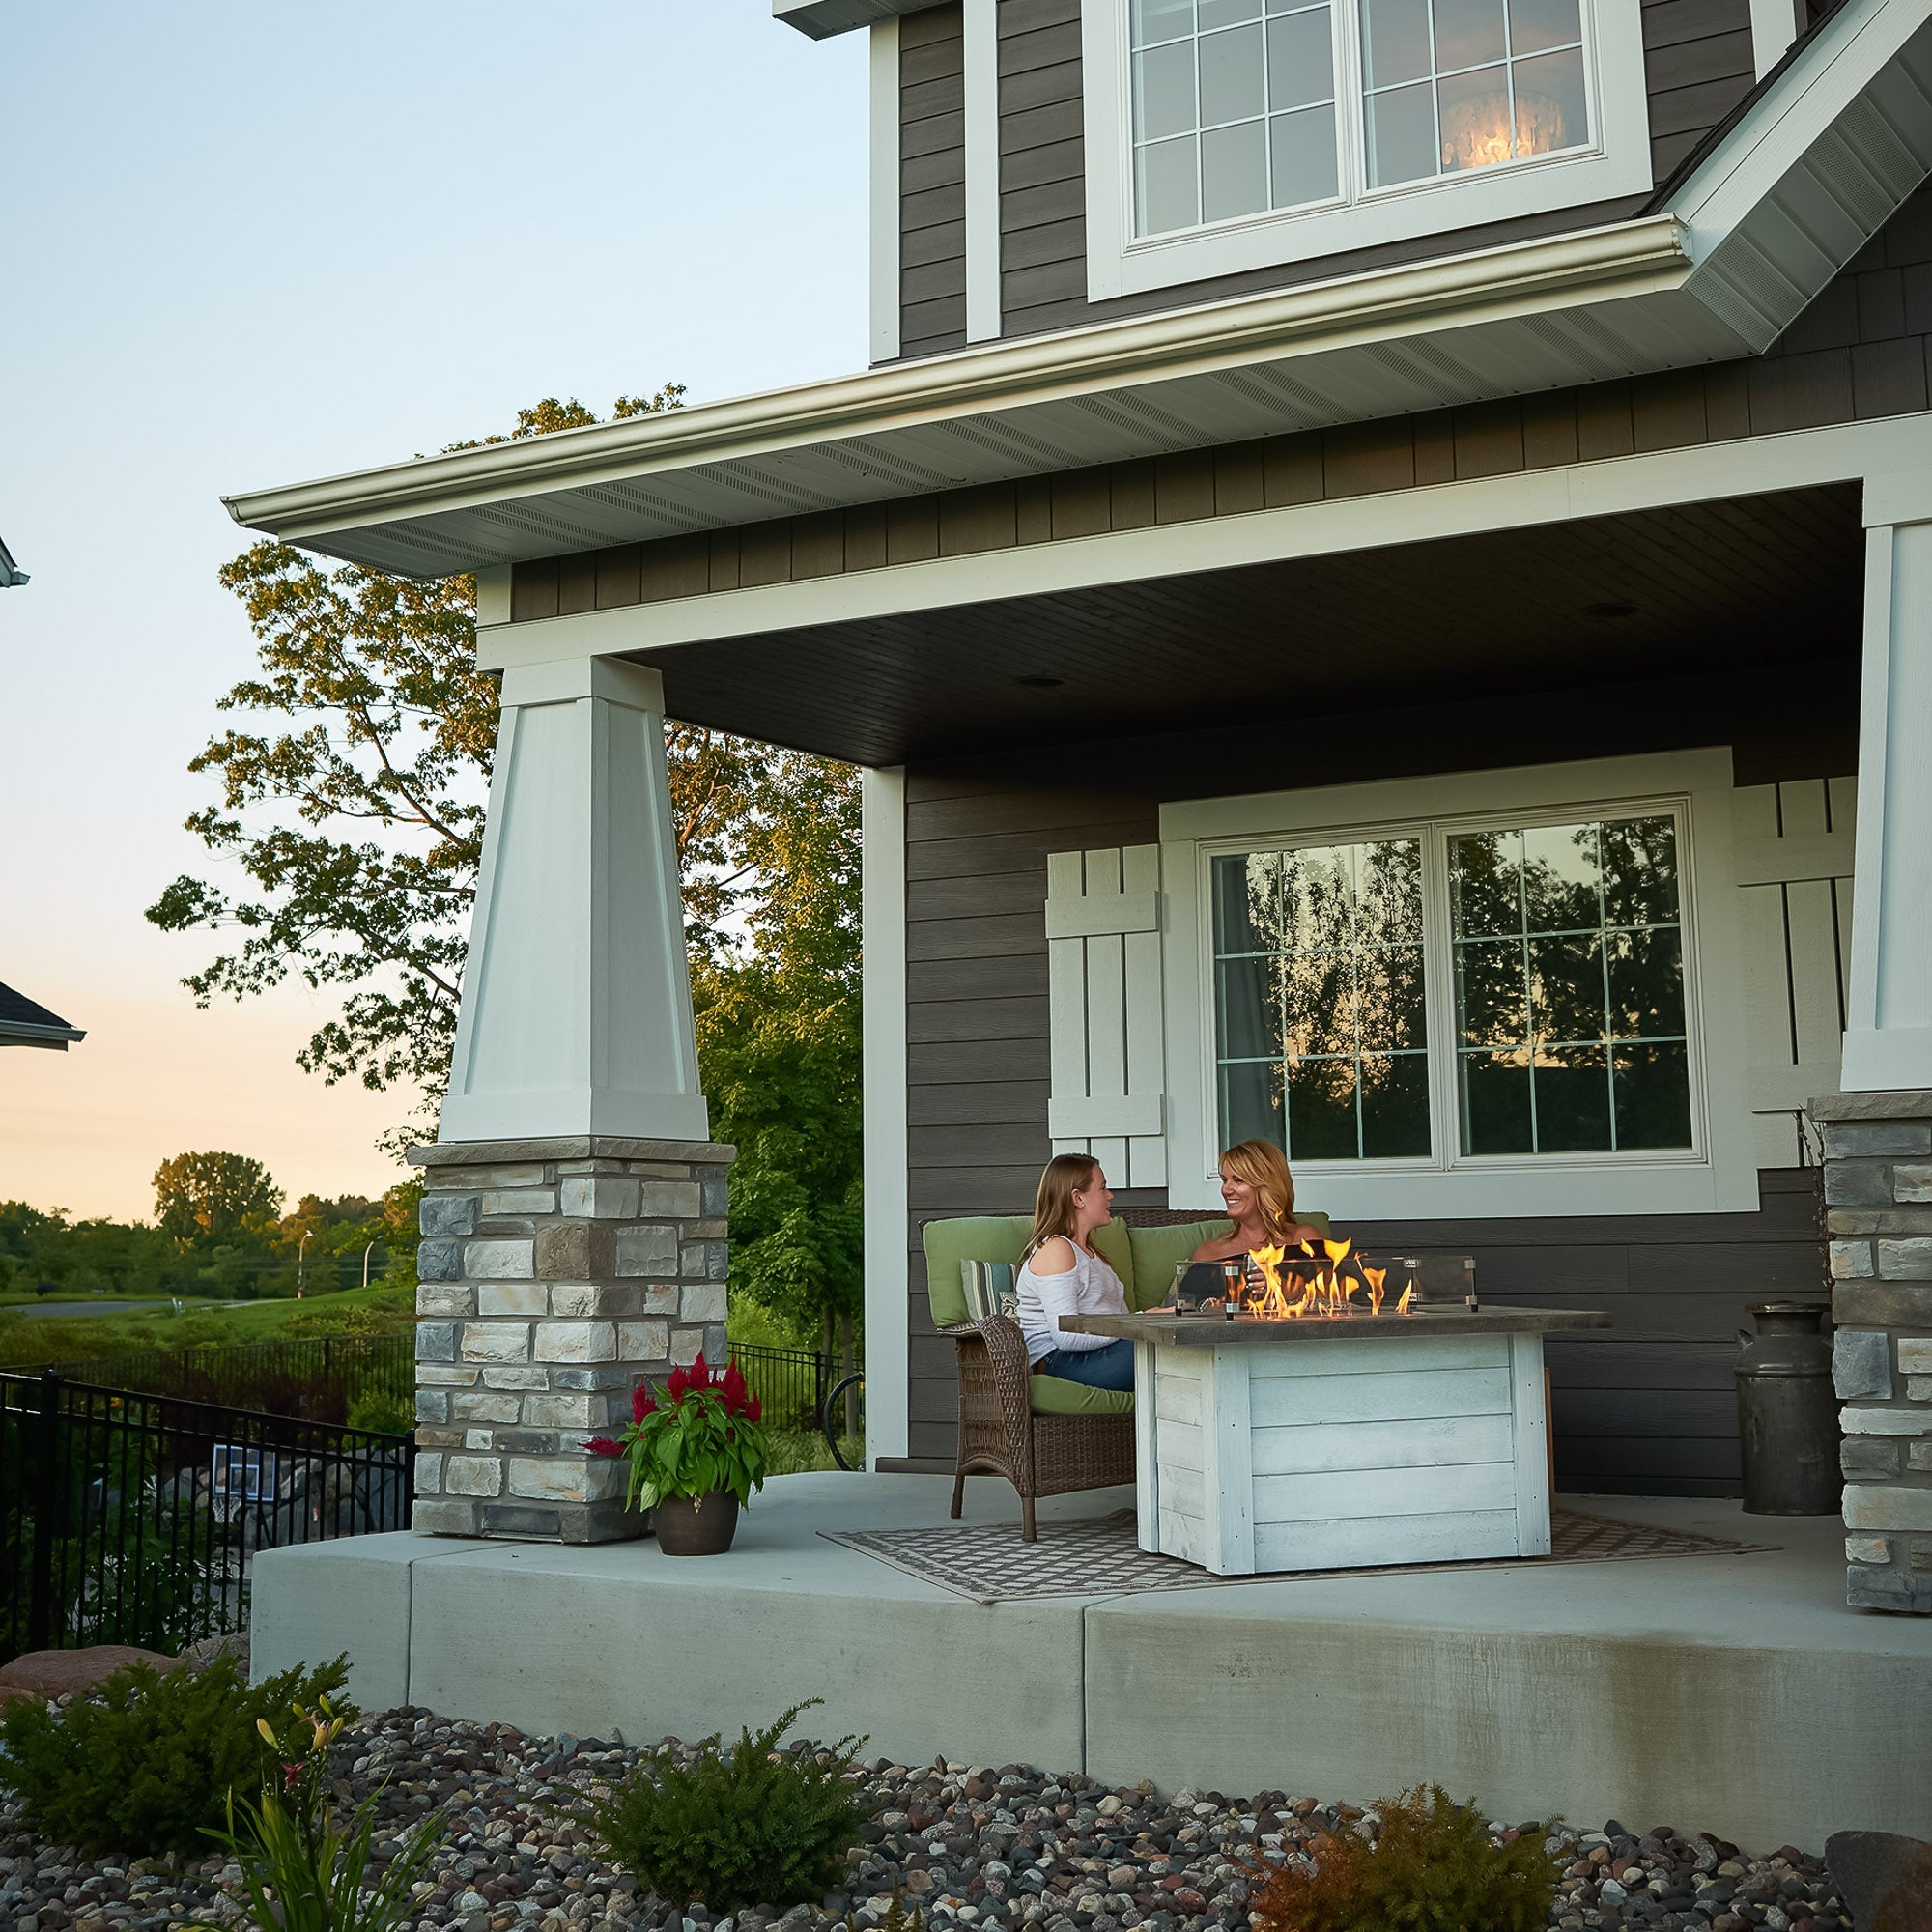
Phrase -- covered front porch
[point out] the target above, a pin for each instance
(1728, 1694)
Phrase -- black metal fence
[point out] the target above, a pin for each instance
(133, 1518)
(320, 1380)
(790, 1383)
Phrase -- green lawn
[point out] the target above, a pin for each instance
(377, 1309)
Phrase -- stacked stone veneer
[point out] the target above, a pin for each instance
(1878, 1193)
(554, 1274)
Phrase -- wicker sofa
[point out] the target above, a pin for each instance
(1045, 1435)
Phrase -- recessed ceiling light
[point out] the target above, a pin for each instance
(1615, 607)
(1040, 681)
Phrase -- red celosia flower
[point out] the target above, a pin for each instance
(700, 1373)
(733, 1389)
(602, 1445)
(679, 1385)
(643, 1402)
(755, 1409)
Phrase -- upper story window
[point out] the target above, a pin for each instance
(1245, 132)
(1235, 101)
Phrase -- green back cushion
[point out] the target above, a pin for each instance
(1144, 1258)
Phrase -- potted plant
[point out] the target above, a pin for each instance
(696, 1450)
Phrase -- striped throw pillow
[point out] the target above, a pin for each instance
(988, 1288)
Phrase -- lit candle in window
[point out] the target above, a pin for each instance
(1476, 132)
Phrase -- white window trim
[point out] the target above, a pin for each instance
(883, 201)
(1117, 264)
(1719, 1174)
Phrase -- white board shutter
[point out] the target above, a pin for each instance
(1794, 869)
(1103, 921)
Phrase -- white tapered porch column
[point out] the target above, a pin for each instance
(575, 1003)
(574, 1211)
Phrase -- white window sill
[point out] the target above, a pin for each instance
(1119, 262)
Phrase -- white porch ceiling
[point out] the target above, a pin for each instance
(1804, 179)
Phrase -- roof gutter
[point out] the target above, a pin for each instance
(1653, 253)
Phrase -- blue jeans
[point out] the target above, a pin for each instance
(1108, 1367)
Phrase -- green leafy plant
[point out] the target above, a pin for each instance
(147, 1762)
(690, 1437)
(382, 1412)
(1431, 1868)
(759, 1827)
(302, 1869)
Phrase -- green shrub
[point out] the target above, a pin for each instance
(765, 1827)
(382, 1412)
(1430, 1868)
(145, 1765)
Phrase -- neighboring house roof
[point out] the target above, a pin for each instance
(1823, 152)
(25, 1022)
(10, 573)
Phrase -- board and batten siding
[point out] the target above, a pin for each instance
(1647, 1406)
(1859, 352)
(1697, 67)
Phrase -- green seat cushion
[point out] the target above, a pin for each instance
(1054, 1395)
(1142, 1258)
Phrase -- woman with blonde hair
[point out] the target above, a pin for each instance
(1258, 1191)
(1061, 1274)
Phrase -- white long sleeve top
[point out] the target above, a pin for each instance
(1090, 1287)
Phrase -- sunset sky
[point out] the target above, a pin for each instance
(252, 245)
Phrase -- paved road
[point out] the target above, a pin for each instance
(87, 1307)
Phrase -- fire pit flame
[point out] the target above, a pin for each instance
(1328, 1294)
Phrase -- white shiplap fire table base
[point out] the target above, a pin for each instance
(1333, 1444)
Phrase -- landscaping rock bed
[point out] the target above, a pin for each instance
(993, 1846)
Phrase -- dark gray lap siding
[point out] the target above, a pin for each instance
(1697, 67)
(1648, 1409)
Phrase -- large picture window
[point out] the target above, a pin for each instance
(1456, 994)
(1244, 106)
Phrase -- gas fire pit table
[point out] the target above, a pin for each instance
(1340, 1443)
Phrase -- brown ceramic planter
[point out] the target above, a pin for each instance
(696, 1525)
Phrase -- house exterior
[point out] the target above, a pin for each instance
(25, 1022)
(10, 573)
(1381, 578)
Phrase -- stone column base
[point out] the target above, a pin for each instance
(1878, 1195)
(556, 1274)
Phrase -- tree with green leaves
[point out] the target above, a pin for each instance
(355, 813)
(202, 1197)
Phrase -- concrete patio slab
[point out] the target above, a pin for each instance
(1733, 1693)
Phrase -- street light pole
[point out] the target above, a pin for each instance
(366, 1252)
(302, 1265)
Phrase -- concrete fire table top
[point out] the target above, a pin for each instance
(1219, 1331)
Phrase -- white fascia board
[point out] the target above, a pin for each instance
(1797, 111)
(1551, 272)
(25, 1033)
(1704, 472)
(10, 573)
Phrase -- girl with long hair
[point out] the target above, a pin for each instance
(1258, 1191)
(1061, 1274)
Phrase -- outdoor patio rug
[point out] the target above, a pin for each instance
(1098, 1556)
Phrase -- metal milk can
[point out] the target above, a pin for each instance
(1788, 1412)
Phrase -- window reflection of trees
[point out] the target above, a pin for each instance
(1337, 932)
(1570, 987)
